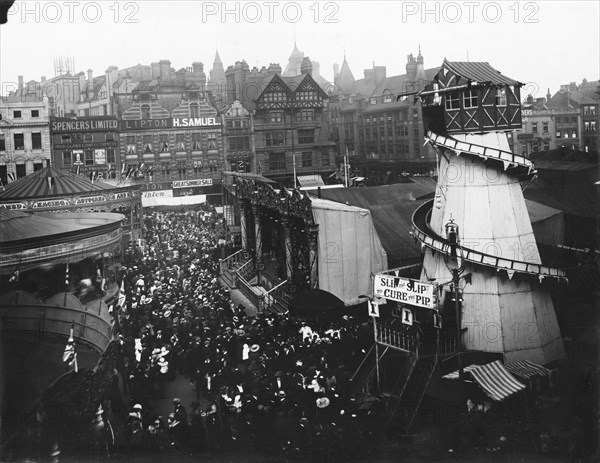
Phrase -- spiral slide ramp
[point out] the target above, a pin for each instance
(507, 308)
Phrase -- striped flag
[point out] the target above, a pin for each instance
(11, 177)
(2, 185)
(123, 167)
(50, 182)
(70, 356)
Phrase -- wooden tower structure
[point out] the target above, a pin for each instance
(478, 221)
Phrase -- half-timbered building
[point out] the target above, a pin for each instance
(290, 135)
(471, 97)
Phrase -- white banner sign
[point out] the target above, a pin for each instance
(410, 292)
(157, 194)
(192, 183)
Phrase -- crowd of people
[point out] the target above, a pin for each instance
(261, 381)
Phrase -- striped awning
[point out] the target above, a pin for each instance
(493, 378)
(526, 369)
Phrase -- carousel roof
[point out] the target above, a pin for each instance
(35, 230)
(48, 182)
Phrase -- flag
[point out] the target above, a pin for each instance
(50, 182)
(2, 185)
(77, 169)
(123, 167)
(121, 300)
(70, 356)
(11, 177)
(93, 175)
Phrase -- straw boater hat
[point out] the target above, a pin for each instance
(323, 402)
(254, 348)
(100, 410)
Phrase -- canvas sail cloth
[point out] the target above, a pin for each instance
(511, 314)
(349, 249)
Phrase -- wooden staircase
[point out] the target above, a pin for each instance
(408, 400)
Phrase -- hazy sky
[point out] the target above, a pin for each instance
(543, 44)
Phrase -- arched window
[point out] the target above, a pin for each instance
(146, 113)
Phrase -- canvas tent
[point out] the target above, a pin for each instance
(349, 249)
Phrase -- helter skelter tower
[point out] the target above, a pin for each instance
(469, 109)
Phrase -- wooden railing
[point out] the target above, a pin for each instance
(244, 276)
(269, 300)
(396, 339)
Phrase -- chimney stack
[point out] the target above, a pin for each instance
(165, 69)
(20, 81)
(155, 70)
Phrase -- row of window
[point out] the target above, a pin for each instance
(589, 110)
(304, 115)
(95, 137)
(277, 138)
(470, 98)
(88, 157)
(572, 133)
(146, 110)
(278, 97)
(18, 114)
(19, 141)
(277, 161)
(165, 143)
(534, 127)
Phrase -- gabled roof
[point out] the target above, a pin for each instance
(293, 82)
(36, 185)
(479, 72)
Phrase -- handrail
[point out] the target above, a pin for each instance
(398, 339)
(480, 150)
(429, 376)
(433, 241)
(413, 358)
(363, 362)
(266, 296)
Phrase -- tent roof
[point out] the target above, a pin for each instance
(310, 180)
(391, 208)
(248, 176)
(493, 378)
(18, 227)
(526, 369)
(479, 72)
(36, 185)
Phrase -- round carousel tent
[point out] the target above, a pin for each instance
(50, 190)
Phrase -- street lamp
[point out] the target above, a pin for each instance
(455, 264)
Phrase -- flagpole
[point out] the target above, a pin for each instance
(346, 166)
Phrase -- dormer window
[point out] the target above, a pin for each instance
(194, 110)
(145, 110)
(373, 100)
(501, 97)
(452, 100)
(387, 99)
(350, 100)
(470, 97)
